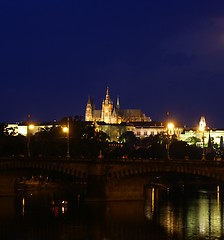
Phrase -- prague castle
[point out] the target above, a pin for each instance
(113, 114)
(114, 121)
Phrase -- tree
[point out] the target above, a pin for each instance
(193, 140)
(128, 138)
(221, 145)
(157, 150)
(49, 141)
(178, 149)
(193, 152)
(2, 129)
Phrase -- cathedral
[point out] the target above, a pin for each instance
(112, 113)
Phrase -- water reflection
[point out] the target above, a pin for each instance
(218, 196)
(192, 217)
(164, 215)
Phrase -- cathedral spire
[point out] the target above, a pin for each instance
(118, 103)
(107, 108)
(107, 91)
(89, 101)
(107, 95)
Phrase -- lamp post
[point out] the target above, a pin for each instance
(66, 130)
(29, 128)
(170, 128)
(202, 125)
(203, 147)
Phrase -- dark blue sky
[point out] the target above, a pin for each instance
(155, 55)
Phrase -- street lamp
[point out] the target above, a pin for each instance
(202, 125)
(66, 130)
(30, 127)
(170, 129)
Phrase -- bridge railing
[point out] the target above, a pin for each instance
(118, 161)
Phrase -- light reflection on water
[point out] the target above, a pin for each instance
(197, 216)
(163, 215)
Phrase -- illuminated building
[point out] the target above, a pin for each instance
(111, 114)
(21, 128)
(194, 135)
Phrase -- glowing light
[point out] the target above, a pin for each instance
(218, 196)
(150, 204)
(202, 124)
(170, 126)
(23, 206)
(31, 126)
(153, 200)
(65, 129)
(201, 128)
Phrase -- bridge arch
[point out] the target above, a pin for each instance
(118, 180)
(129, 181)
(10, 171)
(128, 171)
(73, 170)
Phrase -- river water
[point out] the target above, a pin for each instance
(182, 214)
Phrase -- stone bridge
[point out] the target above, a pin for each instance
(110, 180)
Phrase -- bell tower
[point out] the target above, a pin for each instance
(202, 123)
(89, 111)
(107, 108)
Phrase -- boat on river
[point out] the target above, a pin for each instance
(32, 184)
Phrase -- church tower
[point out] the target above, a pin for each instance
(202, 124)
(89, 111)
(107, 108)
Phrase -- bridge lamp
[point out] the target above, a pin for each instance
(170, 132)
(66, 130)
(30, 127)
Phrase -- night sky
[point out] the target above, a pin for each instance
(158, 56)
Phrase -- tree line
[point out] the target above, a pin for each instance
(87, 143)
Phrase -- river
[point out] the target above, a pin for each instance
(165, 214)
